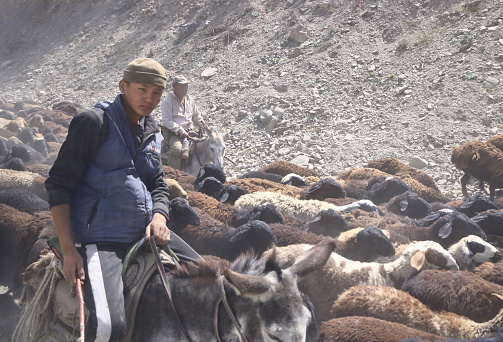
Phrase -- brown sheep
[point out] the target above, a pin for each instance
(492, 272)
(496, 140)
(219, 211)
(257, 184)
(368, 329)
(283, 168)
(427, 193)
(394, 305)
(460, 292)
(481, 160)
(394, 167)
(183, 178)
(19, 231)
(175, 190)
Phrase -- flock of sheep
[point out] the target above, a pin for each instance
(410, 265)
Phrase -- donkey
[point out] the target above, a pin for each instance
(206, 151)
(261, 301)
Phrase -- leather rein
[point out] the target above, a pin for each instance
(223, 297)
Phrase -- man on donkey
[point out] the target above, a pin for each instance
(106, 191)
(179, 116)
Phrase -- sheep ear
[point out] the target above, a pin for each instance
(245, 284)
(445, 231)
(403, 205)
(224, 197)
(497, 298)
(417, 260)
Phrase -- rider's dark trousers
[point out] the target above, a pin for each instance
(103, 287)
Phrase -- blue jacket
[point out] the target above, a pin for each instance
(111, 201)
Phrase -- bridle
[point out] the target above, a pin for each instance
(223, 297)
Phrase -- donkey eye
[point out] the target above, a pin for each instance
(272, 337)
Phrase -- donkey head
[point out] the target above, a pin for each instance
(268, 304)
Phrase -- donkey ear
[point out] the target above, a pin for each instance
(246, 284)
(312, 259)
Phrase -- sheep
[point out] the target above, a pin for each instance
(230, 193)
(304, 210)
(409, 204)
(368, 329)
(212, 207)
(427, 193)
(481, 160)
(446, 229)
(340, 273)
(294, 179)
(283, 168)
(394, 305)
(472, 251)
(460, 292)
(210, 170)
(209, 186)
(491, 272)
(68, 107)
(491, 222)
(327, 222)
(325, 188)
(262, 175)
(23, 200)
(474, 205)
(251, 185)
(183, 178)
(216, 238)
(41, 169)
(33, 182)
(175, 190)
(265, 212)
(18, 233)
(364, 244)
(395, 167)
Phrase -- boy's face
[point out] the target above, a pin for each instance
(141, 99)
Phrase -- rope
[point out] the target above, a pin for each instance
(38, 314)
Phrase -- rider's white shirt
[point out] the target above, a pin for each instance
(177, 114)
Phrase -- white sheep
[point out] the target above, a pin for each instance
(325, 285)
(10, 179)
(471, 251)
(304, 210)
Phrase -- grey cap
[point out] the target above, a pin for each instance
(180, 79)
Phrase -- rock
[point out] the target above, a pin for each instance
(265, 116)
(281, 87)
(208, 73)
(271, 125)
(301, 160)
(490, 82)
(278, 111)
(299, 34)
(418, 163)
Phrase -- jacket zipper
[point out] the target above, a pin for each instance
(92, 214)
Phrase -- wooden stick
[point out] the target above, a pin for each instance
(82, 324)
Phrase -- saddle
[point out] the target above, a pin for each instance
(138, 267)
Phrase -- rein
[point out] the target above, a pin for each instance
(223, 299)
(164, 279)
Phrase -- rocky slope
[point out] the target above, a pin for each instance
(332, 84)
